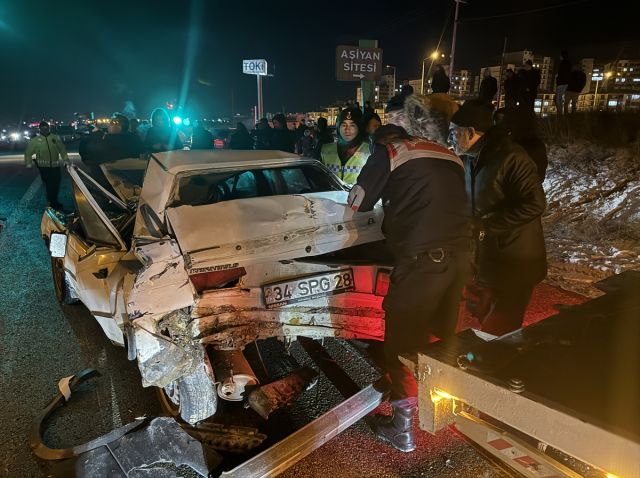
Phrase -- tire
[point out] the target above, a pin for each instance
(63, 292)
(198, 395)
(191, 398)
(169, 398)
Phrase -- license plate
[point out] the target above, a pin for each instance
(308, 288)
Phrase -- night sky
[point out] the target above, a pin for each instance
(59, 57)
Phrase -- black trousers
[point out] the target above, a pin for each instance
(501, 310)
(422, 304)
(51, 177)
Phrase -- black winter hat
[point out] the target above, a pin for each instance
(280, 118)
(475, 114)
(123, 120)
(395, 103)
(353, 114)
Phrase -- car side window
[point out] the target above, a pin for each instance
(295, 180)
(243, 186)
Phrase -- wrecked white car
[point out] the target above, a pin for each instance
(218, 249)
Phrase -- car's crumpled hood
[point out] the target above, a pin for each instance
(249, 231)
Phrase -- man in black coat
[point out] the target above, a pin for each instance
(426, 225)
(562, 80)
(529, 81)
(321, 136)
(241, 138)
(488, 87)
(511, 89)
(506, 204)
(577, 82)
(283, 138)
(407, 89)
(440, 82)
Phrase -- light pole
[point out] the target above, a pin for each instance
(433, 56)
(453, 42)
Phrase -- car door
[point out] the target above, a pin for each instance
(106, 247)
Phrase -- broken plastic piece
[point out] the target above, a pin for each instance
(63, 385)
(272, 396)
(219, 437)
(35, 433)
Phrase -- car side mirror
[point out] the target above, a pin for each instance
(58, 244)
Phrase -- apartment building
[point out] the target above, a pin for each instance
(515, 61)
(625, 75)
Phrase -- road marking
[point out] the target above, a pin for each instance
(115, 410)
(22, 205)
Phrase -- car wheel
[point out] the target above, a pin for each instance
(63, 293)
(169, 398)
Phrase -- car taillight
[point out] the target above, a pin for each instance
(382, 282)
(209, 280)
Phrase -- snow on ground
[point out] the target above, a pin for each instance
(592, 221)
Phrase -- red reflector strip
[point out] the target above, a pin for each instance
(382, 282)
(500, 444)
(209, 280)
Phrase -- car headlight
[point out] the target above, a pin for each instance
(15, 136)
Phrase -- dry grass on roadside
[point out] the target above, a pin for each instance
(611, 129)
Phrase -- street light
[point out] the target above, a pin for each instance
(595, 96)
(433, 56)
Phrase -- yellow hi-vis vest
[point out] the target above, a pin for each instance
(350, 171)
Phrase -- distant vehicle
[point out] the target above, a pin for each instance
(221, 138)
(66, 133)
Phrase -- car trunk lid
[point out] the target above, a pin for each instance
(249, 231)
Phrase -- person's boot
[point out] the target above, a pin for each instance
(395, 430)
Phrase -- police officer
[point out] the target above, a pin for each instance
(348, 156)
(426, 224)
(48, 148)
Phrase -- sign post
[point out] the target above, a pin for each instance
(360, 63)
(368, 87)
(258, 68)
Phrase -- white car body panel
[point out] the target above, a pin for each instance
(249, 231)
(163, 284)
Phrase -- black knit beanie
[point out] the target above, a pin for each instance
(475, 114)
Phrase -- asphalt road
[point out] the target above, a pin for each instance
(42, 342)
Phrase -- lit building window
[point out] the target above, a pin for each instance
(537, 110)
(613, 103)
(635, 97)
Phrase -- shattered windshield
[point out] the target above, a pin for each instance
(215, 187)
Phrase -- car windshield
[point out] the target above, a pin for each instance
(215, 187)
(65, 130)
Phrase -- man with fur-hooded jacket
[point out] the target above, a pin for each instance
(420, 116)
(426, 224)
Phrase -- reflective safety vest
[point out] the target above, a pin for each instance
(350, 171)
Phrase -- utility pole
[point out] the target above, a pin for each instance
(504, 52)
(260, 110)
(367, 88)
(453, 42)
(232, 104)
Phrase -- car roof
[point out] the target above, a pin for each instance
(185, 160)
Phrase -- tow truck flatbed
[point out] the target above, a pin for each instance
(569, 383)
